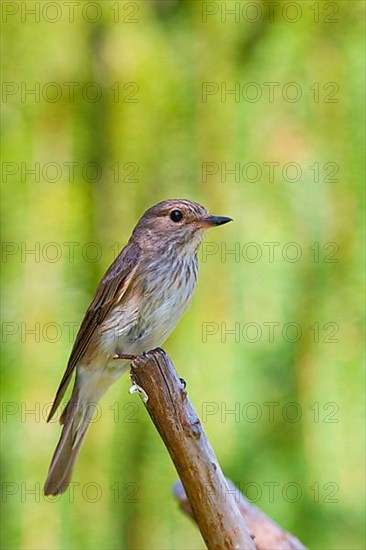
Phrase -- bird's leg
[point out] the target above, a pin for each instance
(130, 357)
(124, 356)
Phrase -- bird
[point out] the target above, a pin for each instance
(136, 306)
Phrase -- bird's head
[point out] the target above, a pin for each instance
(176, 222)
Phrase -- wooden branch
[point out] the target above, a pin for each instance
(267, 534)
(219, 519)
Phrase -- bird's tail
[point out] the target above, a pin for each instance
(75, 418)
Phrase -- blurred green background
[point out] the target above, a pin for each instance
(129, 108)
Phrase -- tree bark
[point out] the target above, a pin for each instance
(213, 505)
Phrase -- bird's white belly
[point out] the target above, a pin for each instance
(161, 322)
(152, 321)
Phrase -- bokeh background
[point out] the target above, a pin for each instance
(129, 108)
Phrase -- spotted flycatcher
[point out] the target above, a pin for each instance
(136, 306)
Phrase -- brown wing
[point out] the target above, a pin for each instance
(114, 284)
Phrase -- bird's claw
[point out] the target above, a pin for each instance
(124, 356)
(135, 388)
(183, 382)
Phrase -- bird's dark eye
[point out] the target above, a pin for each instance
(176, 215)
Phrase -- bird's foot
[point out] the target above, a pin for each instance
(124, 356)
(136, 388)
(183, 382)
(132, 357)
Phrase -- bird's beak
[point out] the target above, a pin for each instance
(210, 221)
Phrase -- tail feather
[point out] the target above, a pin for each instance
(75, 420)
(88, 389)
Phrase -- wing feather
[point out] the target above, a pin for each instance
(113, 286)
